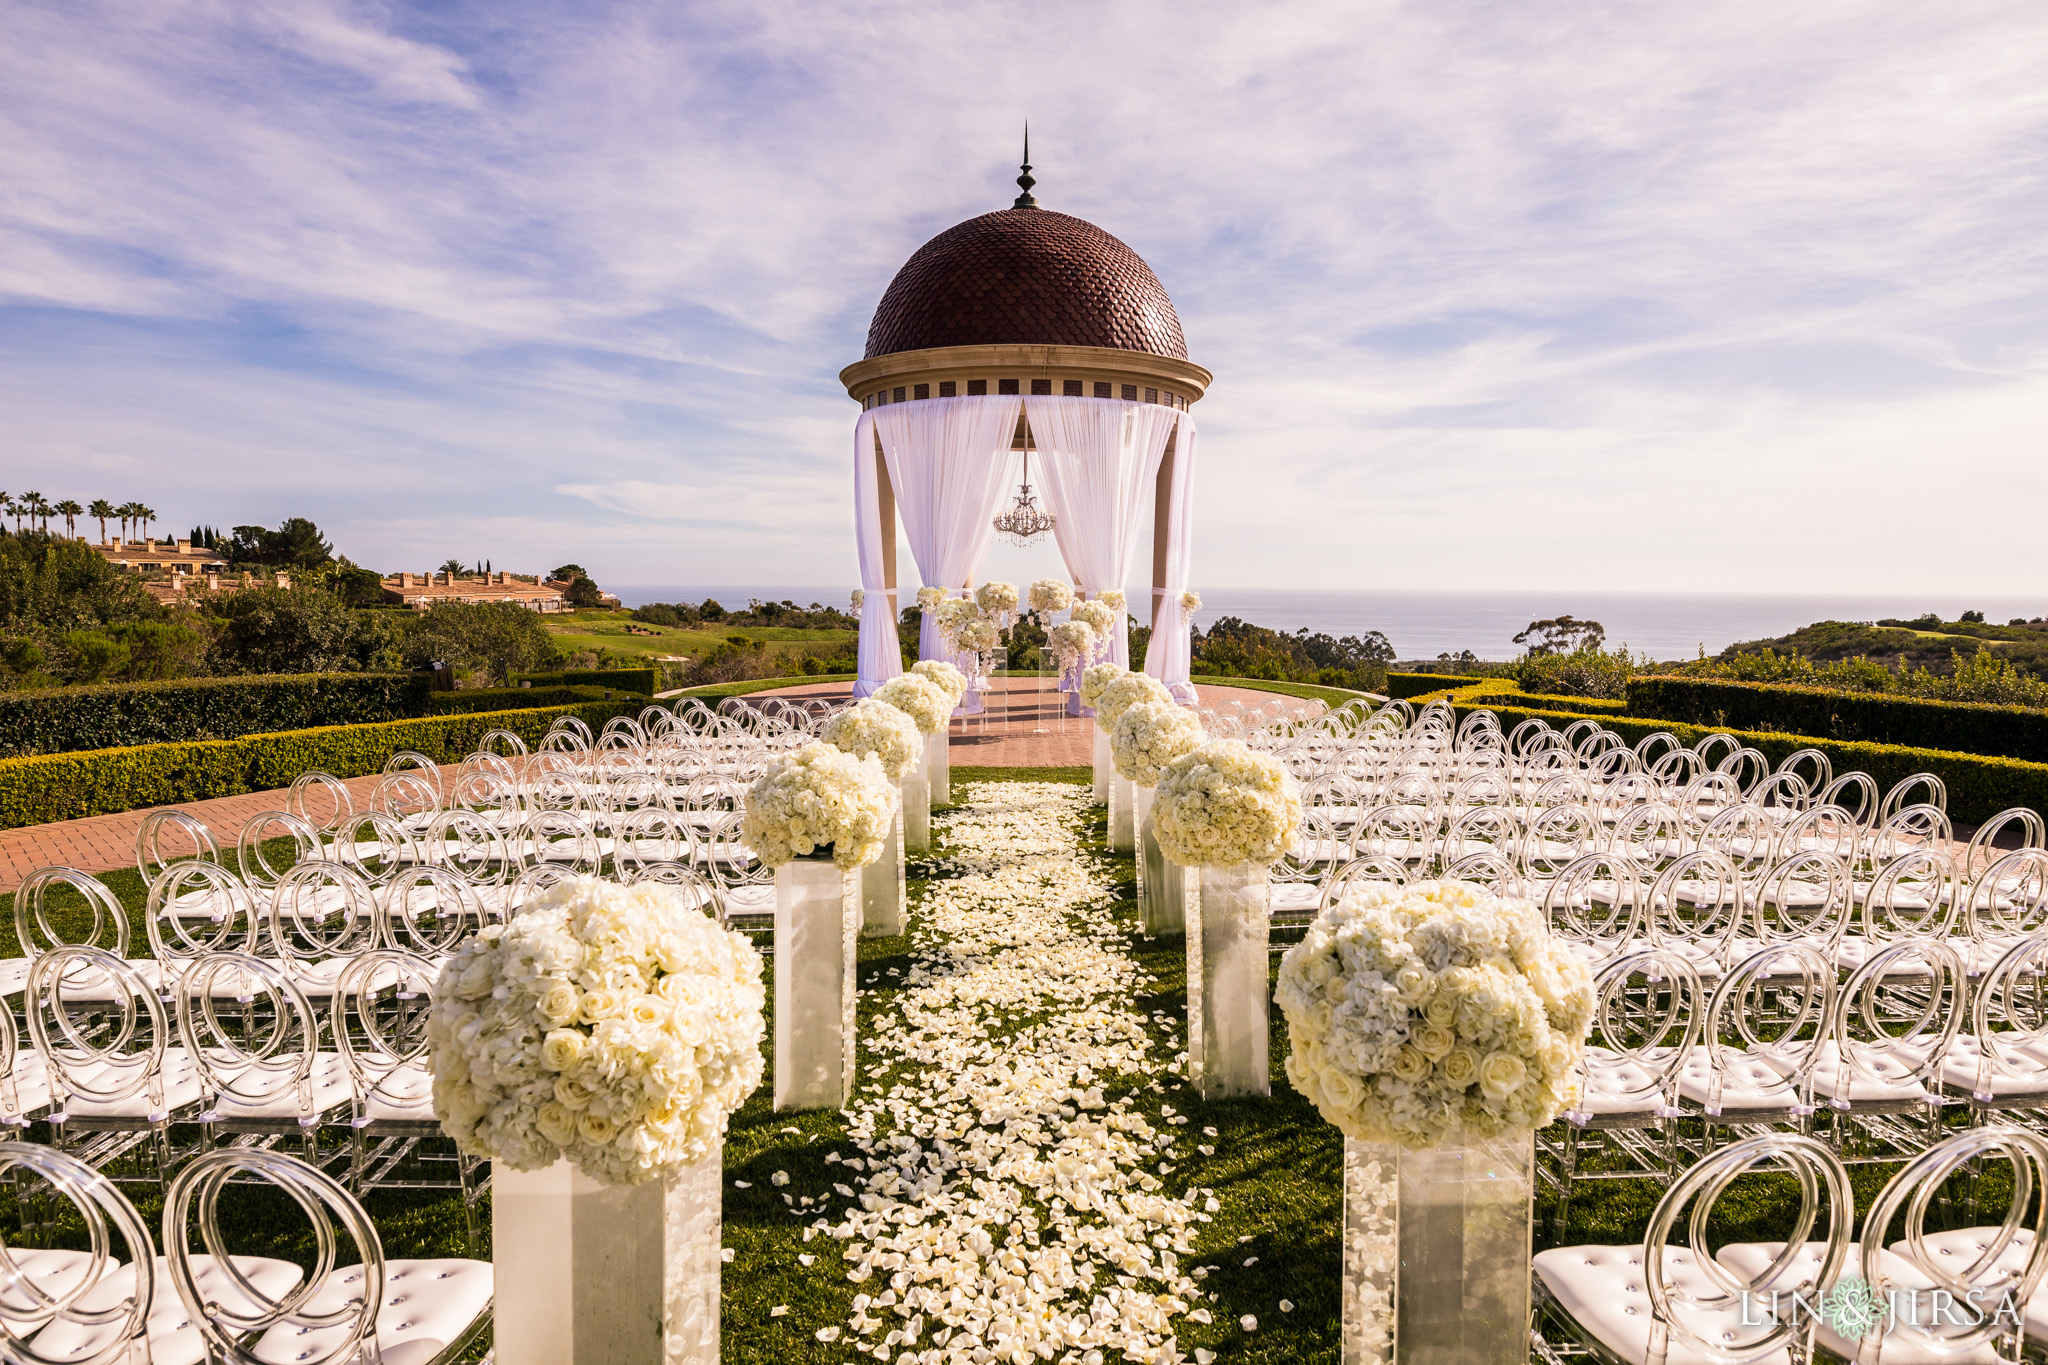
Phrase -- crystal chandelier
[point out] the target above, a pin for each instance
(1024, 523)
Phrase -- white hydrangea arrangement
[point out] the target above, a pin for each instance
(1100, 616)
(1096, 678)
(1050, 595)
(1114, 599)
(952, 615)
(928, 705)
(997, 600)
(1433, 1014)
(1125, 689)
(927, 598)
(860, 599)
(874, 727)
(1151, 734)
(1071, 641)
(977, 636)
(945, 675)
(1221, 805)
(1190, 603)
(817, 797)
(616, 1026)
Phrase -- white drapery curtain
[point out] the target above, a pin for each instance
(949, 460)
(880, 657)
(1100, 457)
(1167, 656)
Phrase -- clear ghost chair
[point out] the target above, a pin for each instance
(1855, 793)
(116, 1083)
(406, 797)
(469, 845)
(747, 883)
(1705, 797)
(1716, 747)
(2007, 902)
(1595, 906)
(1490, 869)
(533, 882)
(1911, 897)
(1362, 872)
(1760, 1039)
(428, 912)
(1648, 833)
(1748, 767)
(1654, 746)
(50, 1312)
(1297, 877)
(1920, 789)
(1656, 1303)
(1806, 898)
(193, 909)
(1813, 768)
(2018, 827)
(414, 762)
(565, 838)
(377, 847)
(1822, 829)
(1782, 795)
(424, 1311)
(48, 908)
(651, 835)
(24, 1080)
(256, 1041)
(1696, 908)
(1910, 828)
(254, 855)
(2001, 1063)
(1675, 770)
(1893, 1025)
(320, 799)
(696, 888)
(1646, 1022)
(1494, 829)
(1557, 837)
(503, 744)
(491, 797)
(163, 833)
(321, 915)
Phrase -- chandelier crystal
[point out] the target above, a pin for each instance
(1024, 523)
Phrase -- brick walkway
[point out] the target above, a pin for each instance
(1005, 738)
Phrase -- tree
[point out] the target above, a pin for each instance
(38, 507)
(71, 512)
(282, 630)
(295, 544)
(452, 567)
(1562, 635)
(494, 639)
(584, 593)
(148, 514)
(351, 582)
(8, 504)
(129, 512)
(100, 509)
(568, 573)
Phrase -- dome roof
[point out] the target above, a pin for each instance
(1026, 276)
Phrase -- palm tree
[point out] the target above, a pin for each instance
(101, 509)
(71, 512)
(129, 513)
(148, 514)
(6, 506)
(37, 506)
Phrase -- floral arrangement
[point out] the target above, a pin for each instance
(1050, 595)
(1125, 689)
(996, 600)
(613, 1025)
(1114, 599)
(977, 636)
(1095, 679)
(1071, 641)
(815, 797)
(1433, 1013)
(945, 675)
(927, 598)
(952, 614)
(1099, 615)
(874, 727)
(860, 599)
(928, 705)
(1222, 804)
(1151, 734)
(1190, 603)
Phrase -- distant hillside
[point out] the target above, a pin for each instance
(1928, 642)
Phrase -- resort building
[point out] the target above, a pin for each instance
(420, 591)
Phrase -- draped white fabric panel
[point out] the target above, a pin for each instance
(880, 657)
(1167, 657)
(1099, 457)
(950, 462)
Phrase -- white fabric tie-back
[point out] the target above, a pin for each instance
(881, 658)
(1100, 457)
(1168, 655)
(949, 459)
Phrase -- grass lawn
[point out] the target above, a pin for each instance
(621, 634)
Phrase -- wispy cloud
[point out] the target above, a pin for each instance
(1741, 295)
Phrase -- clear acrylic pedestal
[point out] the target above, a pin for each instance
(1123, 826)
(817, 920)
(938, 766)
(916, 794)
(589, 1274)
(1105, 765)
(1161, 886)
(1437, 1252)
(1227, 962)
(883, 894)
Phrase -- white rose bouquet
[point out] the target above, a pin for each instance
(1190, 603)
(1125, 689)
(945, 675)
(1050, 595)
(928, 705)
(613, 1025)
(1101, 617)
(874, 727)
(1151, 734)
(1071, 641)
(1114, 599)
(927, 598)
(1222, 804)
(977, 636)
(818, 796)
(860, 599)
(1432, 1014)
(996, 600)
(1095, 679)
(952, 614)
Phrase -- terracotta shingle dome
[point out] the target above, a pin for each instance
(1026, 276)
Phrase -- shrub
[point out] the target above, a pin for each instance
(65, 720)
(1590, 672)
(281, 630)
(494, 639)
(1875, 717)
(642, 680)
(508, 698)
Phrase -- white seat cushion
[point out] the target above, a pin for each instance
(267, 1094)
(2015, 1074)
(180, 1089)
(1967, 1244)
(427, 1305)
(53, 1273)
(1748, 1081)
(31, 1086)
(1601, 1288)
(174, 1336)
(1876, 1078)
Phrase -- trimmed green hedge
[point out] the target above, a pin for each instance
(1874, 717)
(47, 787)
(509, 699)
(1332, 697)
(71, 719)
(645, 681)
(1403, 685)
(747, 686)
(1979, 786)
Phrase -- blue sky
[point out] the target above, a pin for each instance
(1744, 296)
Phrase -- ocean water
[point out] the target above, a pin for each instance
(1424, 624)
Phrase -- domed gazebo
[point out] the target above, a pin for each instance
(1024, 333)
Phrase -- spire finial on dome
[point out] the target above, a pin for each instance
(1024, 200)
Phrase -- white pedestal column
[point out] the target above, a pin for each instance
(586, 1274)
(1123, 826)
(1105, 764)
(817, 919)
(883, 895)
(1436, 1253)
(938, 765)
(917, 811)
(1161, 886)
(1227, 964)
